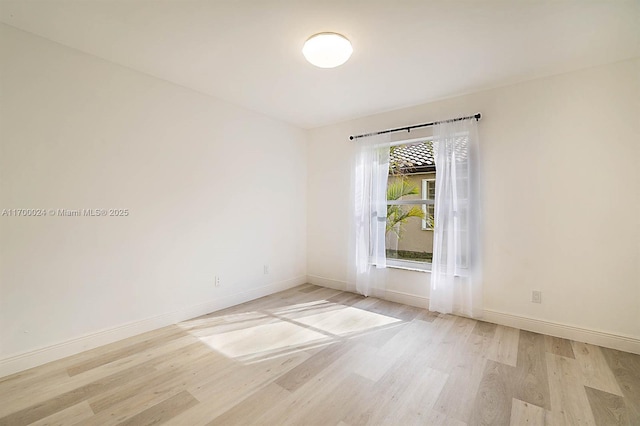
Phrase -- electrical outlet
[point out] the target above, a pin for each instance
(266, 269)
(536, 296)
(216, 282)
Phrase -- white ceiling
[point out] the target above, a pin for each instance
(405, 52)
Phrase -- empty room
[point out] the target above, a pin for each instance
(306, 212)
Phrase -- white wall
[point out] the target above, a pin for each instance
(212, 189)
(561, 192)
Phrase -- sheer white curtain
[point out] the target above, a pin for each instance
(456, 275)
(369, 213)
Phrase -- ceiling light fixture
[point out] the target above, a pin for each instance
(327, 50)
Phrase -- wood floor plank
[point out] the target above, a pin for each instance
(346, 298)
(392, 309)
(569, 402)
(25, 397)
(329, 408)
(248, 411)
(60, 402)
(533, 381)
(365, 303)
(323, 293)
(607, 408)
(326, 382)
(432, 417)
(523, 413)
(494, 399)
(223, 391)
(231, 322)
(163, 411)
(504, 348)
(193, 359)
(245, 377)
(18, 395)
(130, 407)
(465, 363)
(407, 400)
(375, 362)
(20, 382)
(308, 288)
(68, 416)
(594, 369)
(427, 315)
(501, 383)
(451, 342)
(255, 305)
(311, 367)
(376, 337)
(558, 346)
(626, 369)
(25, 378)
(485, 329)
(116, 406)
(409, 313)
(119, 353)
(405, 393)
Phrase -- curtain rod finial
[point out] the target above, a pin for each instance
(350, 137)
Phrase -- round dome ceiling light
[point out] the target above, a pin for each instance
(327, 50)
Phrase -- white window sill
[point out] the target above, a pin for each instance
(409, 265)
(426, 269)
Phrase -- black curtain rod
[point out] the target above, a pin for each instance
(477, 116)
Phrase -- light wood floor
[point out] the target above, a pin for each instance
(317, 356)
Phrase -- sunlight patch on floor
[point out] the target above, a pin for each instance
(262, 339)
(346, 320)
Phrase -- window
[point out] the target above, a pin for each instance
(410, 205)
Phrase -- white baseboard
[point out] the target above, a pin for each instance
(406, 299)
(594, 337)
(34, 358)
(327, 282)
